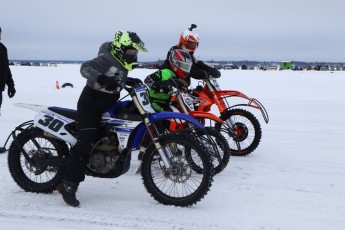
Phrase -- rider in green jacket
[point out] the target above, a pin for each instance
(162, 81)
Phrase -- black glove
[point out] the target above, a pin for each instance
(199, 88)
(214, 72)
(133, 81)
(11, 91)
(109, 83)
(162, 86)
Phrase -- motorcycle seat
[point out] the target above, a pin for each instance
(70, 113)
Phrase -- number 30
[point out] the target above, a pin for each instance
(53, 124)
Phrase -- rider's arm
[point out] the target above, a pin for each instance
(159, 81)
(211, 71)
(152, 78)
(88, 71)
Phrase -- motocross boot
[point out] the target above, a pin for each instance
(68, 190)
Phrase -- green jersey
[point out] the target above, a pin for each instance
(158, 83)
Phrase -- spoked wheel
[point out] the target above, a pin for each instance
(214, 143)
(29, 175)
(180, 184)
(247, 131)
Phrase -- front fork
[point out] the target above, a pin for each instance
(164, 152)
(232, 132)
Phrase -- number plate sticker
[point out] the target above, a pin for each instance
(215, 83)
(143, 98)
(188, 101)
(55, 125)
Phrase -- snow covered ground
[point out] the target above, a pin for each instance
(294, 179)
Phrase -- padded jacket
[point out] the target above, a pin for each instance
(106, 64)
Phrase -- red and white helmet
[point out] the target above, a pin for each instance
(180, 62)
(189, 40)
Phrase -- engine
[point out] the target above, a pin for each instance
(104, 156)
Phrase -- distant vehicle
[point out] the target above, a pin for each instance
(272, 67)
(35, 64)
(334, 68)
(25, 64)
(230, 66)
(286, 65)
(244, 67)
(261, 67)
(317, 67)
(323, 68)
(308, 67)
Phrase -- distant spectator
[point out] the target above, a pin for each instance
(5, 73)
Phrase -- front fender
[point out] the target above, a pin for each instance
(211, 116)
(140, 130)
(231, 93)
(252, 102)
(170, 115)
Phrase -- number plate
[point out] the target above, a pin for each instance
(55, 125)
(143, 98)
(215, 83)
(188, 101)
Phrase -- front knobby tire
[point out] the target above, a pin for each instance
(219, 143)
(223, 149)
(31, 177)
(247, 128)
(180, 185)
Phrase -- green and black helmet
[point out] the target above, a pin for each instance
(125, 48)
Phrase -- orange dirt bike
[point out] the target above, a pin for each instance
(182, 101)
(243, 129)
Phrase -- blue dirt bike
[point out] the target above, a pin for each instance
(170, 165)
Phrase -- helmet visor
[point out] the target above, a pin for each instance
(192, 45)
(139, 46)
(131, 52)
(185, 66)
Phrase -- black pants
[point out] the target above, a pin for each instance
(91, 105)
(0, 98)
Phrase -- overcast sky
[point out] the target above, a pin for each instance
(265, 30)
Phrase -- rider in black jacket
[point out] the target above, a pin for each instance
(5, 73)
(106, 75)
(189, 41)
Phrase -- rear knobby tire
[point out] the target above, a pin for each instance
(33, 178)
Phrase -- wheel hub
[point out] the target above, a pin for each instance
(38, 155)
(178, 172)
(241, 132)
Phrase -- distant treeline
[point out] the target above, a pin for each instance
(244, 65)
